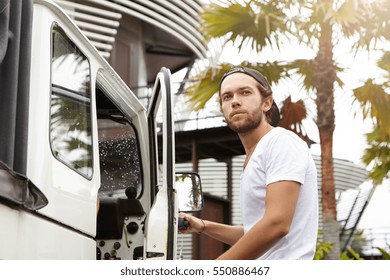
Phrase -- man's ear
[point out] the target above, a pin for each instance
(267, 103)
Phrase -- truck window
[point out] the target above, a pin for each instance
(120, 164)
(70, 122)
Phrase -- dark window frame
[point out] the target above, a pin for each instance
(66, 93)
(127, 120)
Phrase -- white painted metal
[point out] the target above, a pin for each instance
(27, 237)
(157, 229)
(64, 229)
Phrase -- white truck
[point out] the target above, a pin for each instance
(82, 173)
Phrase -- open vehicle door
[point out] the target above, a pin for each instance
(161, 224)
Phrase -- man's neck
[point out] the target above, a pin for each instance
(250, 139)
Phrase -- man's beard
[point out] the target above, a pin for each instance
(251, 122)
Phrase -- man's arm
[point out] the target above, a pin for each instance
(224, 233)
(281, 200)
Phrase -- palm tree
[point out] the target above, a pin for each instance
(375, 103)
(319, 24)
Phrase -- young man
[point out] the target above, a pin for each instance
(278, 189)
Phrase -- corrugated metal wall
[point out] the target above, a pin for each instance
(100, 19)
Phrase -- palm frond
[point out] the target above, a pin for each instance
(375, 103)
(349, 16)
(385, 254)
(244, 23)
(203, 85)
(292, 115)
(384, 63)
(377, 154)
(372, 25)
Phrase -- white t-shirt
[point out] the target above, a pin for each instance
(281, 155)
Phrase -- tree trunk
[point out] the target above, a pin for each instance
(331, 227)
(324, 78)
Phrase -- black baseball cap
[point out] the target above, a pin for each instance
(272, 114)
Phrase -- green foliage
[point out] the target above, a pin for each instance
(385, 254)
(322, 249)
(351, 254)
(377, 155)
(384, 63)
(244, 24)
(204, 85)
(375, 103)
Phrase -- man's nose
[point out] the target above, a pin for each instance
(235, 100)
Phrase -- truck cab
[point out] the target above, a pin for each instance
(94, 182)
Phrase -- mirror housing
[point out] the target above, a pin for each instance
(189, 191)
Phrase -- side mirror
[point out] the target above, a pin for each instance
(189, 191)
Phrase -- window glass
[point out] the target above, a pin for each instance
(70, 123)
(120, 165)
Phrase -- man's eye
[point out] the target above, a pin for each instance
(226, 97)
(246, 92)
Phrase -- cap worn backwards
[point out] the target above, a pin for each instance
(248, 71)
(273, 114)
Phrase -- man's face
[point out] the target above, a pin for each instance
(241, 102)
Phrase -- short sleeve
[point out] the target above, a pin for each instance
(286, 159)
